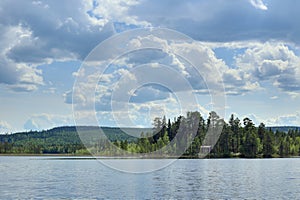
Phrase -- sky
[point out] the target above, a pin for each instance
(239, 57)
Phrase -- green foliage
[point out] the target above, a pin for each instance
(61, 140)
(165, 137)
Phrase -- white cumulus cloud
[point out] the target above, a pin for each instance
(259, 4)
(5, 127)
(46, 121)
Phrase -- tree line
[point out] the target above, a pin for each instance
(184, 135)
(236, 138)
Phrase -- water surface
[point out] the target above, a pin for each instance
(44, 178)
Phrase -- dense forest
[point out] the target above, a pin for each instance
(60, 140)
(235, 138)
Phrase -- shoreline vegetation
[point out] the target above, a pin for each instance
(232, 139)
(92, 157)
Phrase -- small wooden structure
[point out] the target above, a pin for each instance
(204, 150)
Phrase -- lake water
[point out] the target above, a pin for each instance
(44, 178)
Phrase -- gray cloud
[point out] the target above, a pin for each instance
(273, 62)
(34, 33)
(42, 31)
(222, 20)
(57, 29)
(150, 92)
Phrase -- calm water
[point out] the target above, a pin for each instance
(42, 178)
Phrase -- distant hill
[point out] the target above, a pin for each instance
(66, 139)
(283, 128)
(70, 133)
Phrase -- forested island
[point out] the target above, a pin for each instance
(238, 138)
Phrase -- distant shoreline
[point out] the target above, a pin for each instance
(234, 141)
(91, 157)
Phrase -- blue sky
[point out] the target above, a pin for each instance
(252, 44)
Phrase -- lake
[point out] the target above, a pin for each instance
(56, 178)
